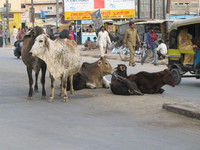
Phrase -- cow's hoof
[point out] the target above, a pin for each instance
(30, 98)
(72, 92)
(138, 92)
(161, 91)
(43, 97)
(51, 99)
(65, 99)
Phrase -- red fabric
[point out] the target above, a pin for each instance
(99, 4)
(72, 35)
(154, 36)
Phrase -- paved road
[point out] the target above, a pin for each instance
(92, 119)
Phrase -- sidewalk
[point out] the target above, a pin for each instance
(191, 110)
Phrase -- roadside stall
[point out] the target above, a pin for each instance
(87, 30)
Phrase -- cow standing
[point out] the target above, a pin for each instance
(62, 58)
(33, 63)
(120, 85)
(91, 75)
(152, 82)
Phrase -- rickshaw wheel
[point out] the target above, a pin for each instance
(176, 75)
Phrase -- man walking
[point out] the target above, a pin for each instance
(130, 38)
(151, 37)
(103, 39)
(15, 32)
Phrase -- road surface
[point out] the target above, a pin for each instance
(92, 119)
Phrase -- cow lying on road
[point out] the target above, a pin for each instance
(62, 58)
(152, 82)
(120, 85)
(91, 75)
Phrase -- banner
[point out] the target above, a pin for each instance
(110, 9)
(97, 19)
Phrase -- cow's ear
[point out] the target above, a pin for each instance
(99, 63)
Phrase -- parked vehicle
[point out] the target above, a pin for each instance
(17, 50)
(176, 55)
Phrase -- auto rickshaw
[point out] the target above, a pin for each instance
(176, 55)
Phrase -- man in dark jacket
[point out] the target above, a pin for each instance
(151, 45)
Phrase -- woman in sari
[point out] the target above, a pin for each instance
(185, 43)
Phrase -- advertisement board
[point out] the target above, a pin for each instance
(97, 19)
(110, 9)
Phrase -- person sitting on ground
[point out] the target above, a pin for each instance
(93, 44)
(95, 39)
(161, 50)
(185, 43)
(87, 42)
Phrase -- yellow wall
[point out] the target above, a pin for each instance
(16, 21)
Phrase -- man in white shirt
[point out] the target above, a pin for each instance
(15, 32)
(103, 39)
(161, 49)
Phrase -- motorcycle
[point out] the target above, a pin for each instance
(17, 50)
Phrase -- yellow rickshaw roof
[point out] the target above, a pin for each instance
(184, 22)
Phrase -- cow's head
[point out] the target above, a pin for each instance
(105, 66)
(40, 46)
(121, 69)
(168, 78)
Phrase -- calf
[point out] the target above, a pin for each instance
(152, 82)
(91, 75)
(120, 85)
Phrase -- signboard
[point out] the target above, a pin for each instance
(97, 19)
(23, 17)
(110, 9)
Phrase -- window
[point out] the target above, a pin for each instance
(23, 6)
(49, 7)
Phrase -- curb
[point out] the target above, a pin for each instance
(186, 109)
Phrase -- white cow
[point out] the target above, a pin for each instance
(62, 58)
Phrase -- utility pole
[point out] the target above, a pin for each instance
(7, 17)
(154, 9)
(151, 16)
(32, 11)
(138, 9)
(57, 12)
(164, 9)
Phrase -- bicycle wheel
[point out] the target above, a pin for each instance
(124, 54)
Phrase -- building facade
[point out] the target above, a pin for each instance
(151, 9)
(14, 14)
(19, 12)
(183, 8)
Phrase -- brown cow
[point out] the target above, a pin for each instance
(152, 82)
(91, 75)
(120, 85)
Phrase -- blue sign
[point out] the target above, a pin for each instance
(87, 22)
(43, 14)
